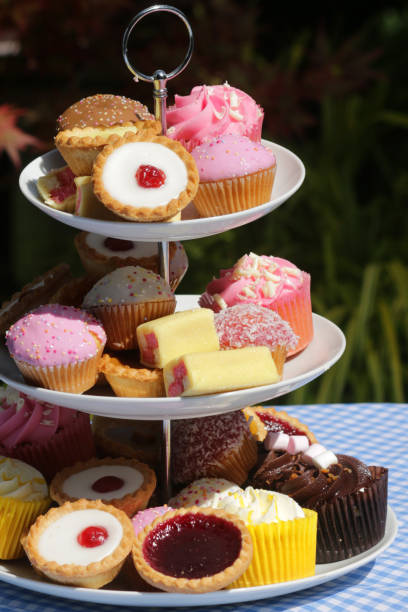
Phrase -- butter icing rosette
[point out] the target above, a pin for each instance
(23, 497)
(46, 436)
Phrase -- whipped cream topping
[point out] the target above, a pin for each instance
(256, 506)
(80, 484)
(18, 480)
(127, 285)
(120, 168)
(58, 542)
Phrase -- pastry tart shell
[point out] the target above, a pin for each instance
(143, 213)
(129, 381)
(260, 431)
(129, 504)
(92, 576)
(206, 584)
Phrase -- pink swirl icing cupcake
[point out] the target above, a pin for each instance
(271, 282)
(46, 436)
(57, 347)
(211, 111)
(235, 174)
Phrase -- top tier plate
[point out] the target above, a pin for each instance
(289, 177)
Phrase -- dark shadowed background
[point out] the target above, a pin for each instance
(334, 89)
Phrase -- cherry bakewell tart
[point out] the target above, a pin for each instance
(128, 378)
(88, 125)
(193, 550)
(126, 484)
(145, 177)
(262, 420)
(82, 544)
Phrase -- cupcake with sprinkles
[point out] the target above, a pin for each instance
(235, 174)
(57, 347)
(91, 123)
(125, 298)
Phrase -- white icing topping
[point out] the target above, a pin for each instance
(255, 506)
(59, 543)
(80, 484)
(120, 169)
(138, 250)
(21, 481)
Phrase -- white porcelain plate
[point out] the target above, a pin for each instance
(325, 349)
(20, 574)
(289, 177)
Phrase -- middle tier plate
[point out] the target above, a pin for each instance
(325, 349)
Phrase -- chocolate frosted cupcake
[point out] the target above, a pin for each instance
(349, 496)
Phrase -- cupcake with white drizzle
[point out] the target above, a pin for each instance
(125, 298)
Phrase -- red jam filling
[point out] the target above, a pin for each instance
(150, 177)
(148, 355)
(116, 244)
(106, 484)
(177, 386)
(272, 423)
(92, 536)
(192, 546)
(66, 186)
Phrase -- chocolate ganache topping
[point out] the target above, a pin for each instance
(308, 485)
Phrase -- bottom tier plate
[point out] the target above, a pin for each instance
(20, 574)
(325, 349)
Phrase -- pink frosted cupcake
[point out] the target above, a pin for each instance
(46, 436)
(272, 282)
(235, 174)
(211, 111)
(57, 347)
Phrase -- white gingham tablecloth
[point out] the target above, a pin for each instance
(376, 434)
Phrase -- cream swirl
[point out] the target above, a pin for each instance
(21, 481)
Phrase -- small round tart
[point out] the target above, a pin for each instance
(194, 550)
(263, 420)
(145, 177)
(83, 544)
(128, 378)
(126, 484)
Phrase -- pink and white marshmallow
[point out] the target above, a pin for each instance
(313, 451)
(297, 444)
(324, 460)
(276, 440)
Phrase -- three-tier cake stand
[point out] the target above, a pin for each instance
(325, 349)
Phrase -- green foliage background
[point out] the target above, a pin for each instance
(334, 91)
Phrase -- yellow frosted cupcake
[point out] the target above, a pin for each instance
(23, 497)
(283, 536)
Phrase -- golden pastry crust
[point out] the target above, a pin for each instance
(130, 503)
(196, 585)
(119, 438)
(33, 294)
(128, 378)
(93, 575)
(143, 213)
(80, 146)
(258, 428)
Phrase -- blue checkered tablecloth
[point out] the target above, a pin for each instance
(376, 434)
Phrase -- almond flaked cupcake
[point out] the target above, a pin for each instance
(57, 347)
(83, 543)
(126, 484)
(145, 177)
(235, 174)
(125, 298)
(91, 123)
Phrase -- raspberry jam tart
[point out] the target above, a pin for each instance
(194, 550)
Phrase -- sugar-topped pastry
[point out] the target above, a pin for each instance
(126, 484)
(193, 550)
(125, 298)
(169, 337)
(145, 177)
(83, 544)
(218, 371)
